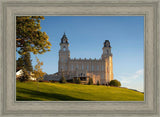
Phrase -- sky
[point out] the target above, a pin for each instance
(86, 35)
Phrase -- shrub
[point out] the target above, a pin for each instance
(63, 80)
(90, 81)
(107, 84)
(79, 81)
(74, 80)
(115, 83)
(98, 82)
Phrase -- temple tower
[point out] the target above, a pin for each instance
(108, 66)
(64, 54)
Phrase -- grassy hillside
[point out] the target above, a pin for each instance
(73, 92)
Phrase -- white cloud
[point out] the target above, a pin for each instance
(134, 81)
(124, 81)
(137, 74)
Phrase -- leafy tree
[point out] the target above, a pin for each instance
(29, 37)
(115, 83)
(38, 73)
(90, 81)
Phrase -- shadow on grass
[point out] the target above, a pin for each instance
(34, 95)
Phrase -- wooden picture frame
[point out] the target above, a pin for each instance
(147, 8)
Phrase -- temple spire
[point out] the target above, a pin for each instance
(64, 39)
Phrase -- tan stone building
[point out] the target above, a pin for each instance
(98, 69)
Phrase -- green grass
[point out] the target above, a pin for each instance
(30, 91)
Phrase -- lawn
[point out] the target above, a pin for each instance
(43, 91)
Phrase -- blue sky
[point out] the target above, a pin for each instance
(86, 35)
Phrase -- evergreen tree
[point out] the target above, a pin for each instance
(25, 62)
(74, 81)
(63, 80)
(19, 64)
(79, 81)
(90, 81)
(98, 82)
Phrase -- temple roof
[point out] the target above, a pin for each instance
(64, 39)
(107, 43)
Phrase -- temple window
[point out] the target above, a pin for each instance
(87, 67)
(97, 68)
(82, 67)
(102, 67)
(77, 66)
(64, 48)
(72, 67)
(92, 67)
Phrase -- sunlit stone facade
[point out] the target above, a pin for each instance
(98, 69)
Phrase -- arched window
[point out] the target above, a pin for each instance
(97, 67)
(82, 67)
(77, 66)
(64, 48)
(87, 67)
(92, 67)
(102, 67)
(72, 67)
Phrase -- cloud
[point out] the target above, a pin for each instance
(124, 81)
(137, 74)
(133, 81)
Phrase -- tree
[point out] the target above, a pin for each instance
(90, 81)
(19, 63)
(24, 77)
(24, 62)
(98, 82)
(74, 80)
(38, 73)
(27, 62)
(115, 83)
(29, 37)
(78, 81)
(63, 80)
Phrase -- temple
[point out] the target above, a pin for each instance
(100, 70)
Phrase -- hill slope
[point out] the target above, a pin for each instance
(73, 92)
